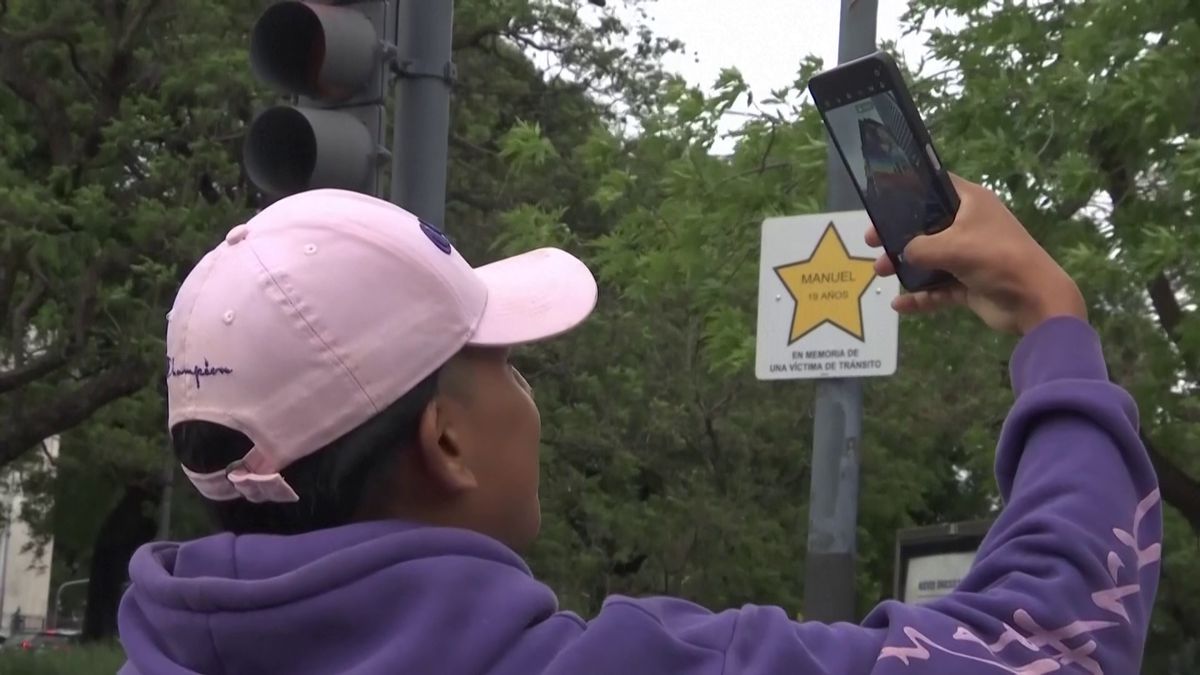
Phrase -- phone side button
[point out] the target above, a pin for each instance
(937, 166)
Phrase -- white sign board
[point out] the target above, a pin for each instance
(934, 576)
(822, 311)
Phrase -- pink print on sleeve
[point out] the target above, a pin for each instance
(1033, 637)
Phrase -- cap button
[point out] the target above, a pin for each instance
(236, 234)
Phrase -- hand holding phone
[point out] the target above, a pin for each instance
(870, 116)
(1001, 272)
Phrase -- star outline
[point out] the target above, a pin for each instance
(796, 300)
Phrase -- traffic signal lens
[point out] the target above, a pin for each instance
(287, 48)
(281, 151)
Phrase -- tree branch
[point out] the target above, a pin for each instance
(1119, 184)
(17, 42)
(77, 65)
(475, 38)
(533, 44)
(39, 367)
(1166, 305)
(65, 347)
(459, 142)
(112, 16)
(72, 407)
(39, 92)
(8, 278)
(135, 24)
(1178, 488)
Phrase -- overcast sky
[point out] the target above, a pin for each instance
(764, 39)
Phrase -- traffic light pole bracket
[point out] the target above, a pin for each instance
(425, 70)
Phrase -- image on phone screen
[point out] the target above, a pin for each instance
(889, 167)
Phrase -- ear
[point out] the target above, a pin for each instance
(439, 437)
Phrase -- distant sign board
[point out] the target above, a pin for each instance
(933, 576)
(932, 561)
(822, 311)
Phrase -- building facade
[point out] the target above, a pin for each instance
(24, 570)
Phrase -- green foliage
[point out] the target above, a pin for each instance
(119, 160)
(99, 659)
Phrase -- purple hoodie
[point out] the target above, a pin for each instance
(1063, 583)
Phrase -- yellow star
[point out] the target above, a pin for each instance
(829, 285)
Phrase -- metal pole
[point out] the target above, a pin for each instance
(11, 509)
(829, 593)
(57, 609)
(420, 134)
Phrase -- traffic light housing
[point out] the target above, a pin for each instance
(331, 58)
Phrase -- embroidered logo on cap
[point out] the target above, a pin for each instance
(196, 371)
(436, 236)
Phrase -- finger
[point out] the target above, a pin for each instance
(872, 238)
(933, 251)
(947, 296)
(906, 304)
(884, 266)
(924, 302)
(958, 293)
(921, 302)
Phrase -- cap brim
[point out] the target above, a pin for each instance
(533, 296)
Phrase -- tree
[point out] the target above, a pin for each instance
(119, 161)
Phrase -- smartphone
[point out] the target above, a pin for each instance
(867, 108)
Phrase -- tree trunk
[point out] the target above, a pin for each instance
(129, 525)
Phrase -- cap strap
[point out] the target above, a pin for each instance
(236, 482)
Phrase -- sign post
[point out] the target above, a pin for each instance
(838, 329)
(823, 314)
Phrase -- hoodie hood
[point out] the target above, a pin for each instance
(366, 598)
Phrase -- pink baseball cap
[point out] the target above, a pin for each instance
(327, 307)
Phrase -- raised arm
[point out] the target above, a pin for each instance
(1065, 580)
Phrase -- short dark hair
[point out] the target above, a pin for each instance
(333, 483)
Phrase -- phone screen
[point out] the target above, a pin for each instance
(890, 168)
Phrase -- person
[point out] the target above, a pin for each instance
(340, 391)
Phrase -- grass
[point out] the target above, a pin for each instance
(101, 659)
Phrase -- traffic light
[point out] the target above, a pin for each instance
(331, 58)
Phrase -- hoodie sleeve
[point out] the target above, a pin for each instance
(1064, 581)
